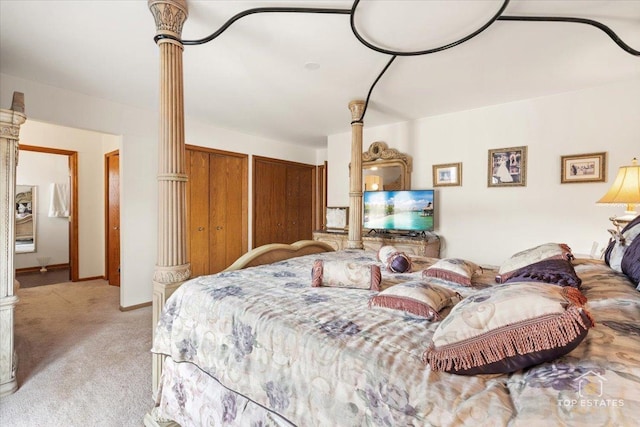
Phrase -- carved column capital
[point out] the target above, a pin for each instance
(169, 16)
(356, 107)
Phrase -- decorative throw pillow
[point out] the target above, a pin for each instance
(555, 271)
(623, 252)
(420, 298)
(506, 328)
(453, 269)
(532, 255)
(394, 260)
(343, 274)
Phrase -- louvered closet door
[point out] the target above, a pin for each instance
(198, 211)
(226, 201)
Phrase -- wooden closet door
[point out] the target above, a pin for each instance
(226, 202)
(269, 201)
(198, 211)
(283, 201)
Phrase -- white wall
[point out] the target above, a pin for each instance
(90, 147)
(52, 234)
(487, 225)
(138, 164)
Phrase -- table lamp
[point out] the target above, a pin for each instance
(625, 191)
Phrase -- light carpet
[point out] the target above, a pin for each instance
(81, 361)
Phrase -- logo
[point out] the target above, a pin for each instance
(590, 385)
(591, 393)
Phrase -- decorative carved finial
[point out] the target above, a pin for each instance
(169, 15)
(18, 102)
(356, 107)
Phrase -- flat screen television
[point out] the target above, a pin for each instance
(408, 210)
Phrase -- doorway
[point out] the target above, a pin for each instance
(72, 161)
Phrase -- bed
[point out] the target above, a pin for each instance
(260, 346)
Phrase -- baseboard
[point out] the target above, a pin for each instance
(86, 279)
(135, 307)
(36, 269)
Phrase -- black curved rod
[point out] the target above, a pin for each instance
(366, 103)
(426, 51)
(265, 10)
(596, 24)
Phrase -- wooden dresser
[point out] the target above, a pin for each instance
(428, 246)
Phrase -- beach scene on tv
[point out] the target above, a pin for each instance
(399, 210)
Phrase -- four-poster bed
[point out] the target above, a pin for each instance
(260, 346)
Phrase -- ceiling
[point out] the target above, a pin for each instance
(253, 77)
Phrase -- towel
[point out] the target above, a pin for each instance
(59, 206)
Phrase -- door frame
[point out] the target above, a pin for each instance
(73, 211)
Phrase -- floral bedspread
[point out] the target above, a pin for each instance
(265, 348)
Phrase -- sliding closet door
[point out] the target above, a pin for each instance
(217, 209)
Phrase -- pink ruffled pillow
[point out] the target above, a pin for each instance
(422, 299)
(455, 270)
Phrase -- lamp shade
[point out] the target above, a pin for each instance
(626, 187)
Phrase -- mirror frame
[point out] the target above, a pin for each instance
(34, 206)
(380, 155)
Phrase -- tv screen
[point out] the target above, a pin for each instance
(410, 210)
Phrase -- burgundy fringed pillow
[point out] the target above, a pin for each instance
(453, 269)
(419, 298)
(506, 328)
(533, 255)
(343, 274)
(555, 271)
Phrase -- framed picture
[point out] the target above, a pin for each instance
(590, 167)
(337, 218)
(507, 167)
(449, 174)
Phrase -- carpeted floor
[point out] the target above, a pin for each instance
(36, 278)
(82, 362)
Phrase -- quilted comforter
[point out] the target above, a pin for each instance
(260, 346)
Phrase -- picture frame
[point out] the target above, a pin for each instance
(507, 167)
(447, 175)
(337, 218)
(581, 168)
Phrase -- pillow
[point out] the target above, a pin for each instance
(506, 328)
(555, 271)
(345, 274)
(623, 252)
(532, 255)
(394, 260)
(420, 298)
(452, 269)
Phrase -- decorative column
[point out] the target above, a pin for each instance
(355, 177)
(172, 268)
(10, 121)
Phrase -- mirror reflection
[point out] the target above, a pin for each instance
(25, 215)
(385, 169)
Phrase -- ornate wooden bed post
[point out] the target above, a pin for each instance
(172, 267)
(355, 177)
(10, 121)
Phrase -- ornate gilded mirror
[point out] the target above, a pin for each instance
(25, 217)
(385, 168)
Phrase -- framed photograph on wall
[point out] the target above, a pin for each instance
(337, 218)
(590, 167)
(507, 167)
(447, 175)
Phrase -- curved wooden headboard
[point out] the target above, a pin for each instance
(275, 252)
